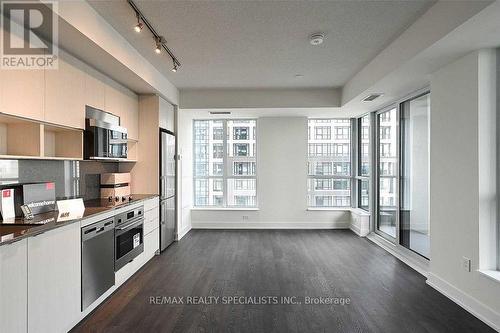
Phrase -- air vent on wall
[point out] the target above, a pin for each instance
(371, 97)
(220, 112)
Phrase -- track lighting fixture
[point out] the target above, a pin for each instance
(158, 47)
(160, 42)
(138, 27)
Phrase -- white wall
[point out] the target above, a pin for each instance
(281, 183)
(461, 201)
(185, 173)
(259, 98)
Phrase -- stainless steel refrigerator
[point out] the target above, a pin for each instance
(167, 188)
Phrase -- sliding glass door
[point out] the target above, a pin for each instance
(387, 187)
(414, 178)
(402, 174)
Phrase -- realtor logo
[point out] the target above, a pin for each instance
(29, 35)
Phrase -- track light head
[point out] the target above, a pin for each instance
(174, 69)
(138, 27)
(158, 46)
(159, 43)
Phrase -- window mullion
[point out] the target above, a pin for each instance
(225, 163)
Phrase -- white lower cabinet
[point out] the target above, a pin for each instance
(40, 278)
(13, 293)
(151, 220)
(151, 204)
(54, 280)
(123, 274)
(151, 245)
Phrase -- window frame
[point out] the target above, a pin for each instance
(359, 176)
(330, 153)
(403, 104)
(398, 105)
(378, 176)
(226, 163)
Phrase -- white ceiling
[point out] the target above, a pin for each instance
(263, 44)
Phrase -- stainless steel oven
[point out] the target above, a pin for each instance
(129, 236)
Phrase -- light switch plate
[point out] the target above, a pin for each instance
(466, 264)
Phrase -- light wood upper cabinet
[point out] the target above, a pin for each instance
(167, 115)
(54, 280)
(22, 93)
(133, 116)
(58, 96)
(95, 88)
(2, 82)
(13, 292)
(125, 104)
(113, 99)
(22, 90)
(64, 93)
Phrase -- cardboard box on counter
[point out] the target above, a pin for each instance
(115, 178)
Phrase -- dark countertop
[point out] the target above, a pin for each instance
(15, 230)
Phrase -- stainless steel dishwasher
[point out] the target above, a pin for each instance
(98, 260)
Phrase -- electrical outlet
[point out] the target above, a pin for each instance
(466, 264)
(245, 217)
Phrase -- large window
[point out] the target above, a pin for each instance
(363, 172)
(329, 163)
(225, 163)
(387, 176)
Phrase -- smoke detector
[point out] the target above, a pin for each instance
(316, 39)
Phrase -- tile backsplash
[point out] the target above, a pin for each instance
(72, 178)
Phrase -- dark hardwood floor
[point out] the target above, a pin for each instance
(385, 294)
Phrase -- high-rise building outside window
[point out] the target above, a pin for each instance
(387, 176)
(329, 163)
(225, 163)
(363, 160)
(240, 133)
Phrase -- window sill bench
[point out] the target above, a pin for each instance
(490, 274)
(339, 209)
(224, 209)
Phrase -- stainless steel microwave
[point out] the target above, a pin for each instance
(104, 138)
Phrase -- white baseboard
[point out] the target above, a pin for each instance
(270, 225)
(183, 232)
(469, 303)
